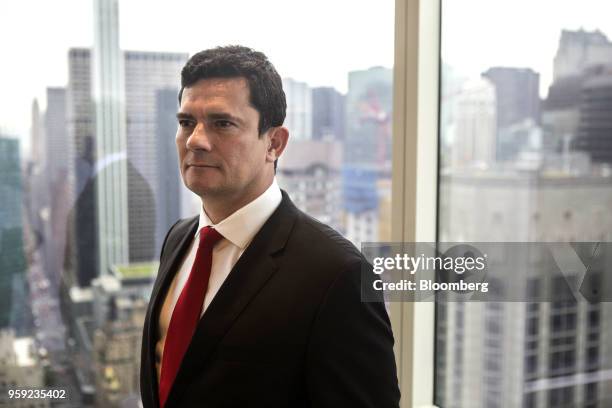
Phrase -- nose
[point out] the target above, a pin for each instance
(199, 139)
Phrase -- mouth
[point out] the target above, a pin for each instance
(201, 165)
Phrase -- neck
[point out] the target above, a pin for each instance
(218, 208)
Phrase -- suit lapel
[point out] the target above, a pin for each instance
(178, 243)
(254, 268)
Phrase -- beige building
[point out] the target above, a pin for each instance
(534, 355)
(20, 369)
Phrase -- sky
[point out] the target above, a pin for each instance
(316, 41)
(478, 34)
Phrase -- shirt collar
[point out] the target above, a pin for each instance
(242, 225)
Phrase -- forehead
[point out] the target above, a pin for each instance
(219, 93)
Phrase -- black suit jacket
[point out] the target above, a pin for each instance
(286, 329)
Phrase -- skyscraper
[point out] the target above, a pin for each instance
(169, 185)
(368, 117)
(108, 93)
(517, 91)
(328, 111)
(310, 171)
(517, 101)
(580, 50)
(56, 131)
(12, 257)
(367, 150)
(519, 354)
(475, 124)
(80, 264)
(595, 126)
(56, 134)
(299, 109)
(151, 127)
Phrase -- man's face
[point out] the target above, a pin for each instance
(220, 152)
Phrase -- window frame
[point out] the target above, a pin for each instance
(415, 183)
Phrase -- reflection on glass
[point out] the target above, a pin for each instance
(84, 215)
(526, 156)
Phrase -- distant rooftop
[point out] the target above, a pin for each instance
(25, 351)
(136, 270)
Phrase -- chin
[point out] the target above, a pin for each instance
(205, 189)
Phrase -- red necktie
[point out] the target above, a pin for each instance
(186, 313)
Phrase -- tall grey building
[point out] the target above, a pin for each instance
(595, 126)
(581, 55)
(80, 264)
(328, 114)
(12, 257)
(580, 50)
(517, 91)
(518, 100)
(368, 117)
(169, 185)
(37, 192)
(151, 127)
(475, 124)
(56, 131)
(516, 354)
(108, 94)
(310, 171)
(561, 112)
(576, 110)
(367, 151)
(299, 109)
(146, 73)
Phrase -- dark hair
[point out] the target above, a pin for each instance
(265, 85)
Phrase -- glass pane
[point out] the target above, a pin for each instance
(526, 156)
(89, 180)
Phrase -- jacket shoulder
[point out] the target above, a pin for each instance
(321, 242)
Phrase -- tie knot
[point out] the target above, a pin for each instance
(209, 237)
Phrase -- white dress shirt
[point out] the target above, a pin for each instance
(238, 231)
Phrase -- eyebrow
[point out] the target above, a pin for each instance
(211, 116)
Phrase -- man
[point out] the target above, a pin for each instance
(255, 304)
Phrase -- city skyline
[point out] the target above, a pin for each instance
(63, 31)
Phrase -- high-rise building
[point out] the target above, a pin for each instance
(367, 151)
(13, 299)
(594, 134)
(523, 354)
(81, 248)
(146, 73)
(328, 111)
(580, 50)
(517, 92)
(517, 100)
(368, 117)
(56, 134)
(361, 200)
(169, 184)
(299, 109)
(108, 92)
(56, 131)
(310, 171)
(120, 302)
(475, 124)
(37, 195)
(561, 112)
(151, 128)
(20, 367)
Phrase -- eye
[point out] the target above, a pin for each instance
(223, 124)
(185, 123)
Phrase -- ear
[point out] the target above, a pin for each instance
(277, 141)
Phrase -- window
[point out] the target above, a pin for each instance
(89, 180)
(520, 143)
